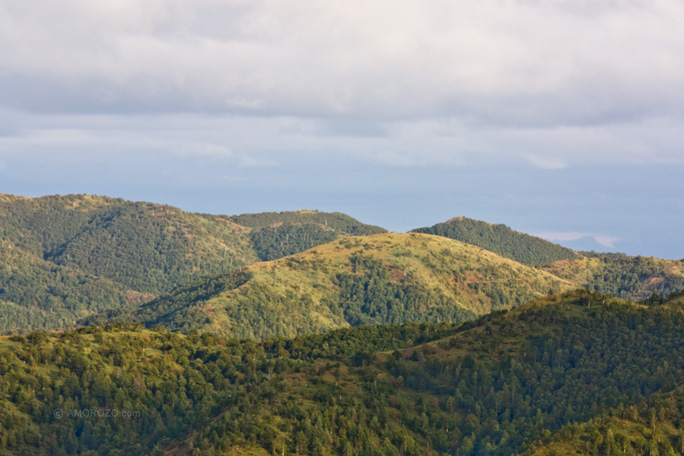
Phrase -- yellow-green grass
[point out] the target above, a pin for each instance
(300, 288)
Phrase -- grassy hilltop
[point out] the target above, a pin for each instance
(381, 279)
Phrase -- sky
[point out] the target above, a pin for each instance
(559, 118)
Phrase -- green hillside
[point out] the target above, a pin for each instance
(65, 257)
(617, 274)
(653, 425)
(649, 427)
(145, 247)
(502, 240)
(380, 279)
(279, 234)
(508, 383)
(621, 275)
(335, 220)
(35, 293)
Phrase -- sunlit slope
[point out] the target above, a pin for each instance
(380, 279)
(621, 275)
(614, 273)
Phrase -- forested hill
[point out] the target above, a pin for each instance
(502, 240)
(509, 383)
(379, 279)
(334, 220)
(145, 247)
(278, 234)
(63, 257)
(621, 275)
(617, 274)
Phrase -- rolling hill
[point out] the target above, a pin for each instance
(68, 258)
(621, 275)
(617, 274)
(132, 251)
(502, 240)
(380, 279)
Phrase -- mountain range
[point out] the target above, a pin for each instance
(311, 333)
(82, 259)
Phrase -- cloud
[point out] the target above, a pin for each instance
(562, 235)
(607, 241)
(516, 63)
(219, 152)
(546, 162)
(550, 84)
(567, 236)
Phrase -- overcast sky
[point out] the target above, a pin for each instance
(561, 118)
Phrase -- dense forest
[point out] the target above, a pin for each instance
(337, 221)
(43, 295)
(621, 275)
(273, 242)
(502, 240)
(64, 257)
(560, 371)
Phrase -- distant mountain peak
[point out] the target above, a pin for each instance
(500, 239)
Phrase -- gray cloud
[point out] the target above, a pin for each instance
(514, 63)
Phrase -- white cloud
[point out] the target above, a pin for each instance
(606, 241)
(562, 235)
(220, 152)
(546, 162)
(565, 236)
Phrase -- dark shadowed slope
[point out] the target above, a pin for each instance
(502, 240)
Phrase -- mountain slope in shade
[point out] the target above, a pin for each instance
(502, 240)
(279, 234)
(333, 220)
(38, 294)
(379, 279)
(145, 247)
